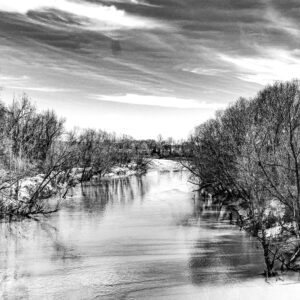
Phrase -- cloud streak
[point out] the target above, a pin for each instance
(276, 64)
(42, 89)
(93, 15)
(159, 101)
(135, 58)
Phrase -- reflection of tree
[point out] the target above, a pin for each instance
(95, 198)
(22, 240)
(14, 236)
(222, 253)
(141, 185)
(224, 258)
(61, 250)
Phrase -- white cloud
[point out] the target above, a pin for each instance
(276, 64)
(281, 22)
(8, 81)
(159, 101)
(204, 71)
(42, 89)
(102, 16)
(5, 78)
(22, 83)
(139, 2)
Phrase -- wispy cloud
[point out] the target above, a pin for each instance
(205, 71)
(24, 83)
(275, 64)
(42, 89)
(142, 56)
(93, 15)
(135, 2)
(159, 101)
(280, 21)
(8, 78)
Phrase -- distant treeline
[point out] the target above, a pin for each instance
(162, 148)
(248, 157)
(33, 142)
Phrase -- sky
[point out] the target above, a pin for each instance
(144, 67)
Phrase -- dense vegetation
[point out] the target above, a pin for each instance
(38, 157)
(248, 157)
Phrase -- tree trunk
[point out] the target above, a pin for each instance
(269, 272)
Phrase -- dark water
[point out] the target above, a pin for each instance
(136, 238)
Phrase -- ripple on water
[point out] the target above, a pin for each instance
(140, 237)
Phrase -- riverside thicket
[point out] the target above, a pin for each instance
(248, 157)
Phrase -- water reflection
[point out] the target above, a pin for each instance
(221, 253)
(19, 243)
(125, 237)
(94, 197)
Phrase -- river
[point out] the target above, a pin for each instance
(146, 237)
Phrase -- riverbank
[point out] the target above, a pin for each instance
(141, 238)
(277, 238)
(19, 196)
(165, 165)
(123, 171)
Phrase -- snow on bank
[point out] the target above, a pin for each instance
(161, 165)
(27, 186)
(120, 172)
(15, 198)
(165, 165)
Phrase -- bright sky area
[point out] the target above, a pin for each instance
(145, 67)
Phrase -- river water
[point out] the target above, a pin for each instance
(146, 237)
